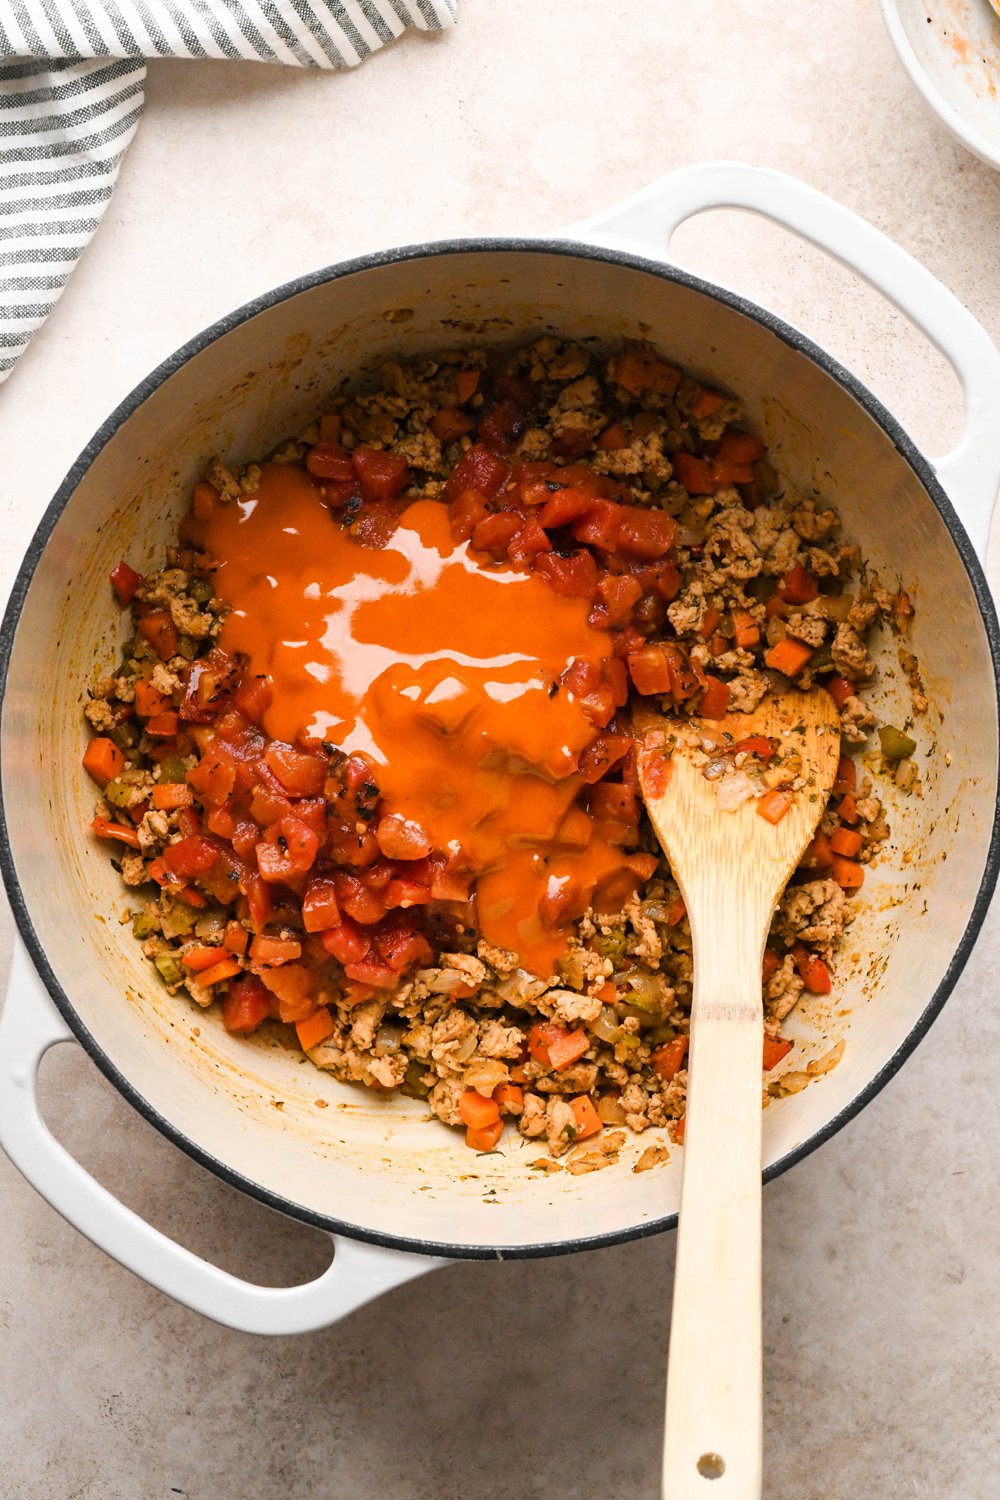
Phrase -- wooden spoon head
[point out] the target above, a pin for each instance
(739, 850)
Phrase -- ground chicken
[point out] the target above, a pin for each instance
(465, 1020)
(850, 655)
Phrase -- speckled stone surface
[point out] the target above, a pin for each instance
(525, 1380)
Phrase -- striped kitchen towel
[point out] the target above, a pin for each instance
(71, 92)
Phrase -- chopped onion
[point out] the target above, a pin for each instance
(835, 606)
(445, 981)
(646, 988)
(714, 769)
(520, 987)
(687, 536)
(735, 790)
(606, 1027)
(609, 1110)
(485, 1074)
(388, 1040)
(656, 911)
(466, 1047)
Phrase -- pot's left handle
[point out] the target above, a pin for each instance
(29, 1026)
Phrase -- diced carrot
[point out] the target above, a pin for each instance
(564, 1051)
(509, 1096)
(202, 957)
(669, 1059)
(746, 632)
(271, 951)
(729, 473)
(846, 778)
(694, 474)
(517, 1074)
(819, 855)
(849, 875)
(788, 656)
(847, 812)
(450, 423)
(466, 381)
(715, 699)
(161, 633)
(235, 937)
(315, 1028)
(709, 620)
(484, 1139)
(740, 447)
(554, 1046)
(163, 726)
(629, 370)
(588, 1121)
(705, 403)
(224, 970)
(814, 972)
(105, 829)
(477, 1111)
(773, 805)
(103, 760)
(170, 795)
(679, 1130)
(612, 437)
(775, 1048)
(798, 586)
(840, 689)
(330, 424)
(846, 841)
(718, 644)
(148, 701)
(770, 965)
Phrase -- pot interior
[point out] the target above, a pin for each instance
(340, 1153)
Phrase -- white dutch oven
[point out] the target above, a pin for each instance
(397, 1194)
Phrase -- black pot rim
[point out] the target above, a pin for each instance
(576, 250)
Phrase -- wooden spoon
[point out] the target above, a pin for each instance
(732, 867)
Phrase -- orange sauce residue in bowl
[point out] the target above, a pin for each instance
(441, 669)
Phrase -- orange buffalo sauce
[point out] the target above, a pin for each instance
(444, 671)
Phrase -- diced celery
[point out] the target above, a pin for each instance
(142, 924)
(178, 919)
(169, 969)
(896, 745)
(187, 646)
(413, 1084)
(172, 768)
(124, 736)
(118, 793)
(200, 590)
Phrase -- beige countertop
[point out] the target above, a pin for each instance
(522, 1380)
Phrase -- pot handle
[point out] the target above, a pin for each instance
(970, 473)
(29, 1026)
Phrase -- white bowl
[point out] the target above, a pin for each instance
(951, 50)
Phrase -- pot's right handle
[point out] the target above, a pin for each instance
(29, 1026)
(970, 473)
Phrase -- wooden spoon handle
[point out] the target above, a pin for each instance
(712, 1447)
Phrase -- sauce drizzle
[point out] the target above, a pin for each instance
(443, 670)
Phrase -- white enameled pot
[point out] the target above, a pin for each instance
(397, 1194)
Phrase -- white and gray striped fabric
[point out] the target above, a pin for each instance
(71, 93)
